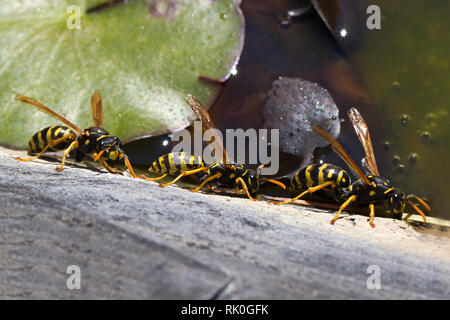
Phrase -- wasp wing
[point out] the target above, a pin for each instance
(362, 131)
(48, 111)
(339, 149)
(97, 109)
(207, 124)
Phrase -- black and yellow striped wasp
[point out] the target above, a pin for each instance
(221, 172)
(318, 177)
(369, 190)
(94, 142)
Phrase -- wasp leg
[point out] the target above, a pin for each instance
(278, 183)
(418, 210)
(372, 215)
(343, 206)
(66, 153)
(239, 191)
(50, 144)
(309, 190)
(183, 174)
(108, 167)
(213, 177)
(244, 186)
(423, 203)
(154, 179)
(130, 168)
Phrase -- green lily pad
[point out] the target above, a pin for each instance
(143, 56)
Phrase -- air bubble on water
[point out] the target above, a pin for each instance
(396, 159)
(387, 145)
(426, 135)
(401, 168)
(223, 16)
(413, 157)
(404, 119)
(285, 23)
(234, 70)
(292, 110)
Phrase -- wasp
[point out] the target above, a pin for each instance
(221, 172)
(317, 177)
(94, 142)
(179, 164)
(369, 190)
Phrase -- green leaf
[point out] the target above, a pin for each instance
(143, 56)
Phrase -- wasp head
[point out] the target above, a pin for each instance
(253, 181)
(109, 150)
(397, 201)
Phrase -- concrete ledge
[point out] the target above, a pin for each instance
(132, 239)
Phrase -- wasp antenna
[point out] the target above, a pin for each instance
(418, 211)
(423, 203)
(258, 170)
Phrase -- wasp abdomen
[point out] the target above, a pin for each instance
(317, 174)
(48, 136)
(176, 163)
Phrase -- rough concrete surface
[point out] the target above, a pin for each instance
(132, 239)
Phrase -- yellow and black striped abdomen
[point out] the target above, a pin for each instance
(49, 135)
(317, 174)
(176, 163)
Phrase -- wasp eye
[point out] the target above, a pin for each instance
(397, 201)
(101, 145)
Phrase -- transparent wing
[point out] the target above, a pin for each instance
(48, 111)
(362, 131)
(97, 109)
(207, 124)
(339, 149)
